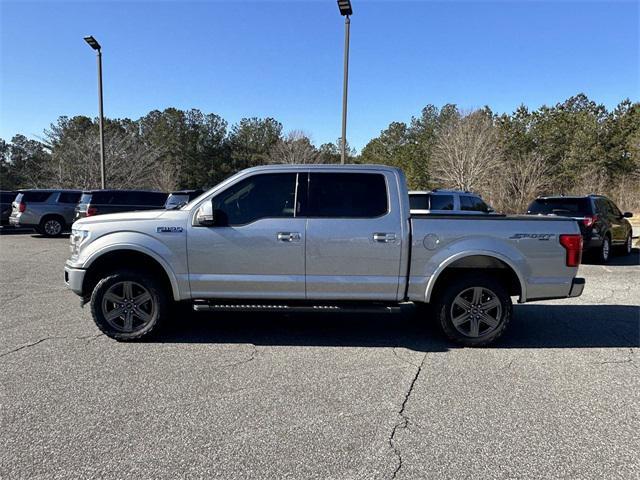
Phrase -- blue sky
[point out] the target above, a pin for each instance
(284, 59)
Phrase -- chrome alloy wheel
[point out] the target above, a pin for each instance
(629, 245)
(52, 228)
(128, 306)
(476, 312)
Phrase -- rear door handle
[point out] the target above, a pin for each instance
(384, 237)
(288, 236)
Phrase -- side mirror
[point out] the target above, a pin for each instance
(490, 210)
(627, 214)
(204, 216)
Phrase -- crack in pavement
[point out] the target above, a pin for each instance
(89, 339)
(405, 420)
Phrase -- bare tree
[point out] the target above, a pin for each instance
(518, 182)
(295, 148)
(467, 152)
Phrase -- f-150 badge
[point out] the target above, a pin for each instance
(169, 229)
(533, 236)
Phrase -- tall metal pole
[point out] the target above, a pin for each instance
(347, 24)
(102, 169)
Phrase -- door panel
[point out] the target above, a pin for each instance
(248, 261)
(257, 248)
(352, 258)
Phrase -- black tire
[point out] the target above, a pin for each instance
(51, 226)
(627, 247)
(474, 331)
(604, 252)
(146, 316)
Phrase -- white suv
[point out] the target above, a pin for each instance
(447, 202)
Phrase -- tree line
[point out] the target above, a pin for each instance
(574, 147)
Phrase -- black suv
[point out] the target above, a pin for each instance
(98, 202)
(602, 224)
(181, 197)
(6, 199)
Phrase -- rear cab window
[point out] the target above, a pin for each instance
(564, 207)
(472, 204)
(347, 195)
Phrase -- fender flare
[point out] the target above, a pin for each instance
(137, 248)
(485, 253)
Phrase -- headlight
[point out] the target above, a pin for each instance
(77, 238)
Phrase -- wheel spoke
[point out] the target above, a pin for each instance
(112, 297)
(113, 314)
(489, 320)
(462, 303)
(460, 319)
(477, 295)
(142, 315)
(142, 298)
(128, 321)
(127, 290)
(493, 303)
(474, 327)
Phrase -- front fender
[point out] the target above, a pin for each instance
(143, 243)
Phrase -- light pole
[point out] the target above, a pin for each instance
(345, 11)
(93, 43)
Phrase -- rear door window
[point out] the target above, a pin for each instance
(564, 207)
(69, 197)
(347, 195)
(441, 202)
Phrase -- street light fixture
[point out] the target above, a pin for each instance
(93, 43)
(345, 11)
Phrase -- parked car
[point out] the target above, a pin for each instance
(447, 202)
(49, 212)
(99, 202)
(601, 222)
(181, 197)
(6, 199)
(319, 238)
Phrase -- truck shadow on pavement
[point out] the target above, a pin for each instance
(533, 326)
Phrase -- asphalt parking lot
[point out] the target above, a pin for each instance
(315, 396)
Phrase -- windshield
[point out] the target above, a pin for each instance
(564, 207)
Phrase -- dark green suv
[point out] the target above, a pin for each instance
(601, 222)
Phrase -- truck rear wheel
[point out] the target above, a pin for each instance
(129, 305)
(474, 310)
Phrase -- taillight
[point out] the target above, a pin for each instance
(589, 220)
(22, 207)
(91, 211)
(573, 246)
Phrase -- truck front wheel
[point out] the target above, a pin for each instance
(474, 310)
(128, 305)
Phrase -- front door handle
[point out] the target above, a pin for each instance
(384, 237)
(288, 236)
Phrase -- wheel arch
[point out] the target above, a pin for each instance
(116, 258)
(480, 261)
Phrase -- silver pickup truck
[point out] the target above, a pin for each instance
(319, 238)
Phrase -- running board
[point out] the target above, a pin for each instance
(202, 305)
